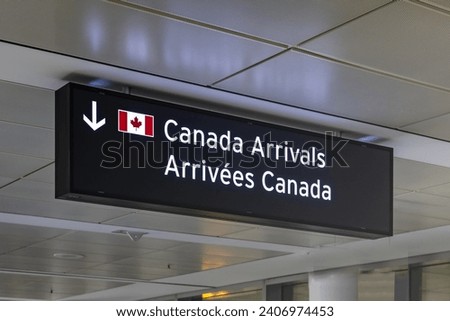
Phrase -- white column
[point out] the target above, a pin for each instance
(334, 285)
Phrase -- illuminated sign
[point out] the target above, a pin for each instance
(117, 149)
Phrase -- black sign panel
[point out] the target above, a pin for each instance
(117, 149)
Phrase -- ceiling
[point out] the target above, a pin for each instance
(361, 68)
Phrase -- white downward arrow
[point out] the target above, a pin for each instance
(94, 124)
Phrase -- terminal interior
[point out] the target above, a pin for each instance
(375, 71)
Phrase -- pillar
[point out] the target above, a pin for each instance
(334, 285)
(408, 284)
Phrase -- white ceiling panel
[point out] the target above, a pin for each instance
(134, 273)
(403, 38)
(30, 190)
(291, 237)
(227, 251)
(48, 253)
(5, 180)
(424, 205)
(19, 286)
(178, 256)
(137, 292)
(310, 82)
(60, 209)
(440, 190)
(31, 233)
(170, 266)
(179, 223)
(181, 259)
(27, 105)
(435, 127)
(443, 4)
(297, 20)
(27, 140)
(13, 236)
(118, 240)
(407, 222)
(145, 267)
(100, 31)
(79, 246)
(400, 191)
(16, 166)
(411, 175)
(42, 264)
(45, 175)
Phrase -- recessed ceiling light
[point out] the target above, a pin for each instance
(68, 256)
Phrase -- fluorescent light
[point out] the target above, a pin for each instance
(68, 256)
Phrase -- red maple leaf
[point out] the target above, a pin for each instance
(136, 123)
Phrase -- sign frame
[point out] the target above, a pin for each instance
(64, 188)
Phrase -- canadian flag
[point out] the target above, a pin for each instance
(135, 123)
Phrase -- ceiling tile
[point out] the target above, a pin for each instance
(424, 205)
(393, 39)
(74, 286)
(30, 233)
(412, 175)
(290, 237)
(443, 4)
(112, 271)
(179, 223)
(167, 267)
(20, 286)
(301, 80)
(201, 261)
(119, 240)
(5, 180)
(27, 105)
(100, 31)
(306, 18)
(16, 166)
(440, 190)
(48, 254)
(435, 127)
(42, 264)
(10, 243)
(404, 221)
(182, 259)
(44, 175)
(147, 268)
(60, 209)
(14, 237)
(30, 190)
(79, 246)
(400, 191)
(227, 251)
(28, 141)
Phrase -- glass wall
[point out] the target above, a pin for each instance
(376, 286)
(426, 278)
(436, 282)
